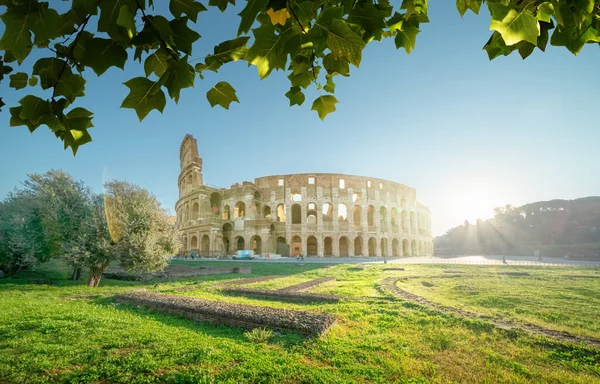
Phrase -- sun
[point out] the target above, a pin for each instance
(474, 203)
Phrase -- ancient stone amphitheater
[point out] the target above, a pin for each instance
(315, 214)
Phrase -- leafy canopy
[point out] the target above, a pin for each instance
(312, 40)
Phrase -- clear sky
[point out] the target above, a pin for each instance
(467, 133)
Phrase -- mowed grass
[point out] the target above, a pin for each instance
(68, 333)
(559, 298)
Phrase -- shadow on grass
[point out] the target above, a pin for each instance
(284, 338)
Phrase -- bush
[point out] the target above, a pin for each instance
(259, 335)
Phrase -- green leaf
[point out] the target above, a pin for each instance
(496, 46)
(296, 96)
(16, 120)
(545, 11)
(18, 80)
(157, 63)
(371, 18)
(126, 19)
(33, 81)
(464, 5)
(249, 13)
(334, 65)
(100, 54)
(330, 85)
(190, 7)
(344, 43)
(324, 105)
(544, 35)
(110, 10)
(57, 73)
(406, 37)
(268, 50)
(514, 25)
(70, 86)
(33, 109)
(227, 51)
(144, 96)
(221, 4)
(2, 104)
(222, 94)
(82, 8)
(574, 38)
(16, 37)
(45, 23)
(77, 122)
(183, 37)
(525, 48)
(179, 75)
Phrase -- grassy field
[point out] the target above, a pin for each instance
(67, 333)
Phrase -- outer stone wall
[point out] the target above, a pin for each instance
(314, 214)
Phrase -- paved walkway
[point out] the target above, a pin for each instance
(469, 260)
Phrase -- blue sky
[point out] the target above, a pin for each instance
(467, 133)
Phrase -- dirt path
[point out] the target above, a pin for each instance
(390, 286)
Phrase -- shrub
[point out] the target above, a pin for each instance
(259, 335)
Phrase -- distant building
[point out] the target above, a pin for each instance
(316, 214)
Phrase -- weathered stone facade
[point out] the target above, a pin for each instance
(316, 214)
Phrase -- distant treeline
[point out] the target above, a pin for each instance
(555, 228)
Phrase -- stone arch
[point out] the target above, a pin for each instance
(327, 212)
(281, 213)
(420, 248)
(312, 246)
(372, 247)
(357, 215)
(383, 218)
(413, 248)
(395, 248)
(370, 214)
(226, 245)
(394, 219)
(342, 212)
(257, 196)
(256, 243)
(328, 246)
(215, 203)
(311, 213)
(240, 243)
(296, 245)
(404, 220)
(205, 245)
(194, 243)
(296, 196)
(384, 245)
(343, 246)
(413, 222)
(405, 248)
(240, 210)
(296, 214)
(358, 246)
(267, 212)
(195, 211)
(226, 212)
(185, 243)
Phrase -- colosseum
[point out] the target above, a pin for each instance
(315, 214)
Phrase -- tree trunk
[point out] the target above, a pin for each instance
(76, 275)
(95, 276)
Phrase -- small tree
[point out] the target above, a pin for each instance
(127, 224)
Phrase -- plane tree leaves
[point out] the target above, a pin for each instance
(312, 41)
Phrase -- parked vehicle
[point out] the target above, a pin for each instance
(246, 254)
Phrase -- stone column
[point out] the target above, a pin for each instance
(320, 245)
(350, 247)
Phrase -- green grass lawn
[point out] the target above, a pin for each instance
(68, 333)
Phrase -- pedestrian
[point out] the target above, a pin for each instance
(302, 257)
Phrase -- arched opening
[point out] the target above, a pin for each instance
(420, 248)
(413, 247)
(372, 247)
(184, 246)
(256, 244)
(240, 243)
(358, 246)
(356, 197)
(404, 221)
(383, 218)
(226, 212)
(327, 212)
(226, 245)
(311, 213)
(257, 196)
(328, 246)
(413, 222)
(281, 213)
(296, 214)
(195, 211)
(282, 248)
(215, 203)
(357, 214)
(267, 212)
(384, 244)
(343, 246)
(296, 245)
(311, 246)
(194, 243)
(394, 219)
(405, 248)
(296, 196)
(370, 214)
(205, 245)
(189, 180)
(240, 210)
(395, 248)
(342, 212)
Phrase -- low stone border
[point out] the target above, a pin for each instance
(306, 285)
(515, 273)
(248, 281)
(283, 295)
(390, 286)
(237, 315)
(393, 269)
(172, 272)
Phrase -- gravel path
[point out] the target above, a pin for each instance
(390, 286)
(248, 281)
(306, 285)
(283, 295)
